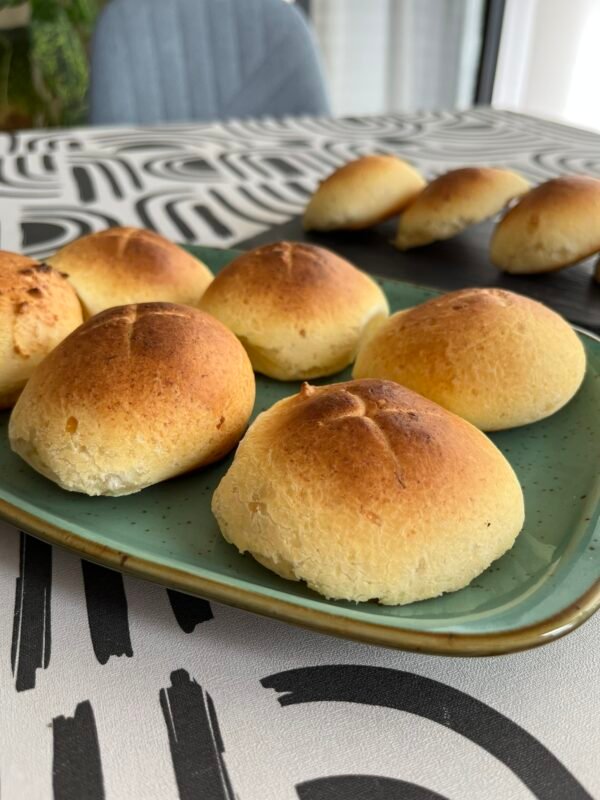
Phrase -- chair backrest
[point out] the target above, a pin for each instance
(176, 60)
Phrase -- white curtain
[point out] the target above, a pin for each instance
(399, 55)
(549, 59)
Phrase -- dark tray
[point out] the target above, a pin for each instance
(453, 264)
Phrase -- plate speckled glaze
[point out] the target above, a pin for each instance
(543, 588)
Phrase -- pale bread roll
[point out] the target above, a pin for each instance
(362, 193)
(365, 490)
(299, 310)
(136, 395)
(455, 200)
(38, 308)
(496, 358)
(119, 266)
(554, 225)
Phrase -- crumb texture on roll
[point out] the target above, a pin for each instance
(496, 358)
(299, 310)
(119, 266)
(38, 308)
(554, 225)
(362, 193)
(365, 490)
(455, 200)
(134, 396)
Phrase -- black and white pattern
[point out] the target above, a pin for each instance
(219, 184)
(115, 688)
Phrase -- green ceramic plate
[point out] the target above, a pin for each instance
(544, 587)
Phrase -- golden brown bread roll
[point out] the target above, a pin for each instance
(362, 193)
(38, 308)
(493, 357)
(299, 310)
(554, 225)
(455, 200)
(365, 490)
(119, 266)
(136, 395)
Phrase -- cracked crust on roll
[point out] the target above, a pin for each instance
(119, 266)
(38, 308)
(494, 357)
(553, 226)
(299, 310)
(456, 200)
(134, 396)
(365, 490)
(362, 193)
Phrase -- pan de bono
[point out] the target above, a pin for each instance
(554, 225)
(363, 193)
(453, 201)
(38, 308)
(118, 266)
(365, 490)
(134, 396)
(299, 310)
(496, 358)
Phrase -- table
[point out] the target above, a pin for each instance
(113, 687)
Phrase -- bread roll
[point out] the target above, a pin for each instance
(38, 308)
(452, 202)
(493, 357)
(365, 490)
(362, 193)
(554, 225)
(130, 265)
(136, 395)
(299, 310)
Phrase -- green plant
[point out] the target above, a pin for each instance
(44, 66)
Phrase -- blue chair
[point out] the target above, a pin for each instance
(179, 60)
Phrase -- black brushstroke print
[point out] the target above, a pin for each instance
(283, 165)
(135, 178)
(107, 611)
(177, 219)
(31, 637)
(22, 167)
(249, 161)
(189, 611)
(521, 752)
(225, 158)
(85, 187)
(76, 763)
(363, 787)
(301, 190)
(218, 227)
(233, 210)
(106, 170)
(195, 740)
(256, 201)
(35, 233)
(141, 208)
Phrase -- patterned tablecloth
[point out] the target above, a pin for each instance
(112, 687)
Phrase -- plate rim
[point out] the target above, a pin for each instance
(432, 643)
(427, 642)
